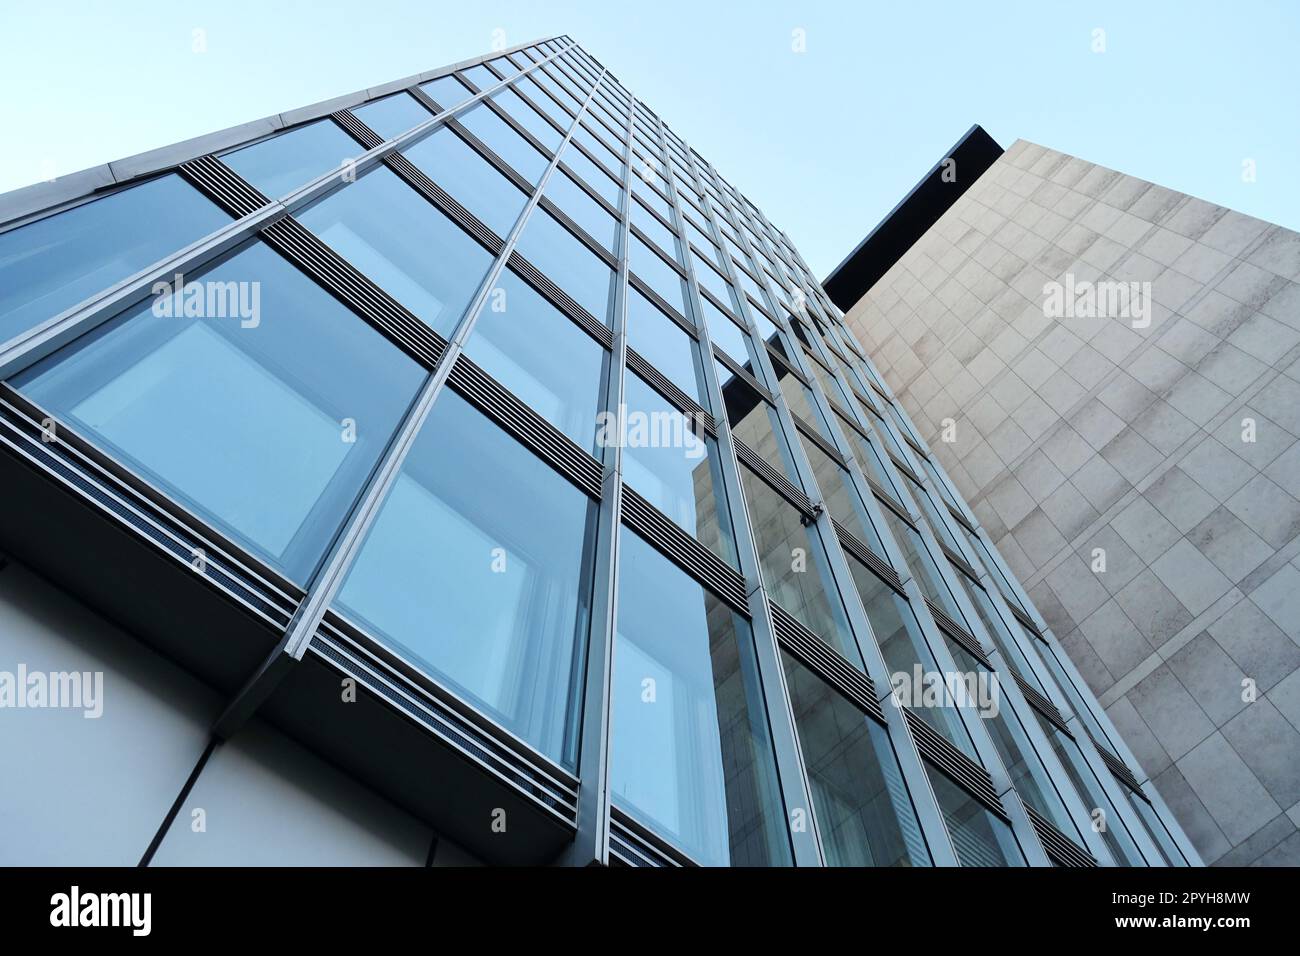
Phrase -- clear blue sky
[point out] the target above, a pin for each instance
(825, 141)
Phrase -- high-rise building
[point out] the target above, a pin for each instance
(1109, 372)
(463, 470)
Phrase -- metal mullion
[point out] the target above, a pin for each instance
(591, 843)
(347, 543)
(791, 775)
(43, 339)
(928, 811)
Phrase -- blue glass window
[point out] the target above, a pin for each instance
(529, 119)
(279, 165)
(655, 230)
(470, 179)
(525, 343)
(567, 262)
(662, 343)
(447, 91)
(674, 465)
(591, 174)
(499, 137)
(582, 209)
(478, 567)
(52, 264)
(265, 414)
(690, 754)
(864, 813)
(392, 115)
(657, 273)
(402, 242)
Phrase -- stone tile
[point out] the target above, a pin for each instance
(1210, 676)
(1067, 450)
(1268, 438)
(1077, 588)
(1198, 398)
(1264, 338)
(1039, 476)
(1069, 511)
(1231, 369)
(1146, 747)
(1132, 456)
(1285, 696)
(1172, 714)
(1230, 544)
(1280, 401)
(1096, 423)
(1101, 484)
(1011, 501)
(1233, 232)
(1259, 843)
(1254, 641)
(1038, 538)
(1268, 510)
(1152, 608)
(1050, 607)
(1115, 640)
(1182, 501)
(1286, 853)
(1216, 469)
(1279, 253)
(1147, 532)
(1279, 598)
(1121, 564)
(1164, 427)
(1270, 747)
(1009, 441)
(1235, 798)
(1201, 262)
(1195, 819)
(1190, 576)
(1093, 671)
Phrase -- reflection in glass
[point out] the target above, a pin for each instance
(54, 263)
(662, 342)
(469, 178)
(388, 231)
(980, 838)
(392, 115)
(447, 91)
(279, 165)
(690, 752)
(864, 813)
(676, 467)
(536, 352)
(500, 137)
(575, 203)
(242, 414)
(567, 262)
(478, 567)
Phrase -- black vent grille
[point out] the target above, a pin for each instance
(827, 662)
(955, 764)
(666, 535)
(296, 243)
(526, 425)
(223, 186)
(631, 844)
(362, 133)
(1062, 850)
(782, 485)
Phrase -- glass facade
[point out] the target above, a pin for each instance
(448, 464)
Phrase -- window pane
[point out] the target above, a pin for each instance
(529, 119)
(864, 813)
(582, 209)
(794, 566)
(497, 135)
(479, 568)
(657, 273)
(481, 76)
(242, 414)
(540, 355)
(651, 197)
(728, 336)
(402, 242)
(842, 499)
(470, 179)
(662, 343)
(447, 91)
(567, 262)
(591, 174)
(693, 760)
(544, 102)
(904, 649)
(655, 230)
(921, 564)
(674, 467)
(754, 421)
(393, 115)
(715, 283)
(54, 263)
(279, 165)
(980, 838)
